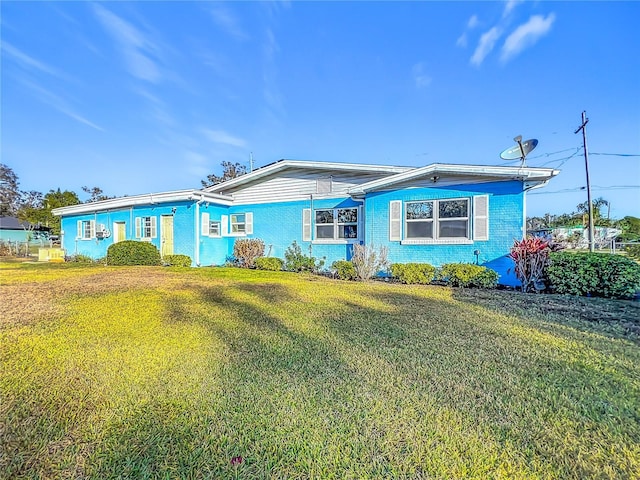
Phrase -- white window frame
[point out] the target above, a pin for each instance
(337, 226)
(215, 232)
(146, 225)
(436, 222)
(235, 225)
(86, 229)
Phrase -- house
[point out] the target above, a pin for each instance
(438, 213)
(13, 229)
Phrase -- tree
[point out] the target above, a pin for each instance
(229, 171)
(598, 203)
(56, 199)
(96, 193)
(9, 192)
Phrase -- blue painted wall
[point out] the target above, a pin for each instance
(183, 228)
(279, 224)
(505, 224)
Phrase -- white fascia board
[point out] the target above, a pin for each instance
(146, 199)
(308, 165)
(520, 173)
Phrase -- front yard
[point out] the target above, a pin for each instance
(145, 372)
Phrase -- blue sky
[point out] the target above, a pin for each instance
(150, 96)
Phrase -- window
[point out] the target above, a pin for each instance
(437, 219)
(238, 224)
(86, 229)
(214, 229)
(336, 224)
(146, 227)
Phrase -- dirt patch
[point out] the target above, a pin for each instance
(28, 303)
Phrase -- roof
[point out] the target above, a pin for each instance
(146, 199)
(13, 223)
(282, 165)
(529, 174)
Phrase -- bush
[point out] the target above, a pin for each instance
(422, 273)
(597, 274)
(633, 251)
(246, 250)
(468, 275)
(79, 258)
(130, 252)
(344, 269)
(273, 264)
(531, 256)
(296, 261)
(177, 260)
(367, 262)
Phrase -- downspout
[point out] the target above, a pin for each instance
(197, 227)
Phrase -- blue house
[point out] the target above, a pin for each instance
(439, 213)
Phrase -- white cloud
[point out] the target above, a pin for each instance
(30, 62)
(485, 45)
(228, 22)
(59, 104)
(509, 6)
(135, 46)
(526, 35)
(420, 77)
(462, 40)
(220, 136)
(473, 22)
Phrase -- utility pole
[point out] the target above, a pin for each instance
(583, 127)
(251, 162)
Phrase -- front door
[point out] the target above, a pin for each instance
(166, 231)
(119, 232)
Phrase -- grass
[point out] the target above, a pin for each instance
(171, 373)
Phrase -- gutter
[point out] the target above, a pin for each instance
(196, 224)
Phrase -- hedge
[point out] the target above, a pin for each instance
(273, 264)
(593, 274)
(130, 252)
(177, 260)
(468, 275)
(422, 273)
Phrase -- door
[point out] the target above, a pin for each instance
(166, 231)
(119, 232)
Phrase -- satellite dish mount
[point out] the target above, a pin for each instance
(521, 150)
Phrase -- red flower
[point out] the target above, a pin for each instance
(235, 461)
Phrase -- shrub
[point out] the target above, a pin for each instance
(422, 273)
(79, 258)
(269, 263)
(468, 275)
(296, 261)
(246, 250)
(597, 274)
(633, 251)
(367, 262)
(344, 269)
(177, 260)
(130, 252)
(531, 256)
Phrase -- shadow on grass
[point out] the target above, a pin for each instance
(344, 379)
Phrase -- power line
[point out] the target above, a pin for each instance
(617, 154)
(594, 187)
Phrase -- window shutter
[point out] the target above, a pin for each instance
(248, 226)
(481, 217)
(79, 231)
(395, 220)
(306, 225)
(154, 229)
(224, 225)
(92, 229)
(361, 222)
(204, 227)
(138, 227)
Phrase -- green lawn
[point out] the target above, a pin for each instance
(113, 372)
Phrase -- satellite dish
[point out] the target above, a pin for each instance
(521, 150)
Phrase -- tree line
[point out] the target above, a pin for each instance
(629, 225)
